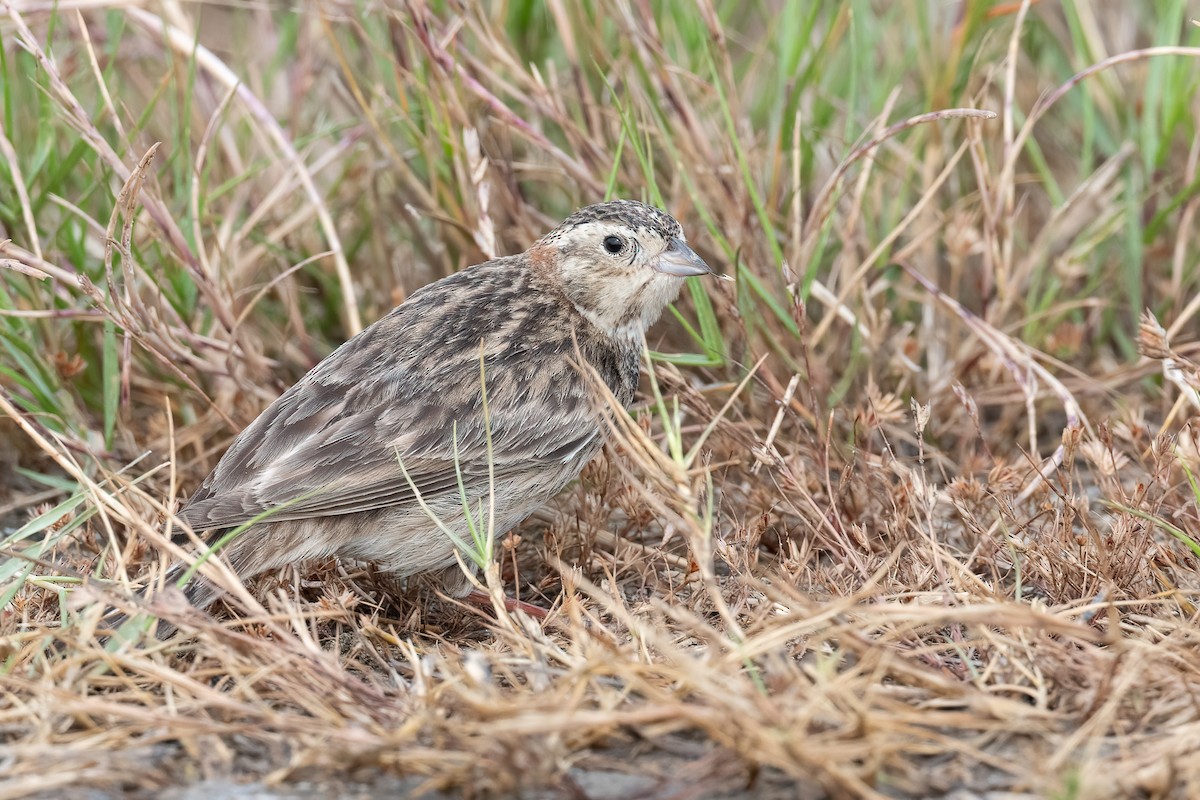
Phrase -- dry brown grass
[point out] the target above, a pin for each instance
(921, 522)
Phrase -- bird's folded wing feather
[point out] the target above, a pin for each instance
(349, 457)
(407, 390)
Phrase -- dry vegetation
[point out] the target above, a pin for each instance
(910, 507)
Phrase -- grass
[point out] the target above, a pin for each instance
(908, 506)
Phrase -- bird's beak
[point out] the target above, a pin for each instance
(681, 261)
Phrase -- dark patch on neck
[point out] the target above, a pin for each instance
(617, 364)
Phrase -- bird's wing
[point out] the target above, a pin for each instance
(407, 391)
(359, 463)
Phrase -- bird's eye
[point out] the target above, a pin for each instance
(614, 244)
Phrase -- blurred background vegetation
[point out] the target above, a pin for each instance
(317, 166)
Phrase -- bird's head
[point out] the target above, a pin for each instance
(620, 263)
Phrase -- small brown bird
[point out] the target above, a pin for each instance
(398, 410)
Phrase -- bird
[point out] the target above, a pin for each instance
(373, 451)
